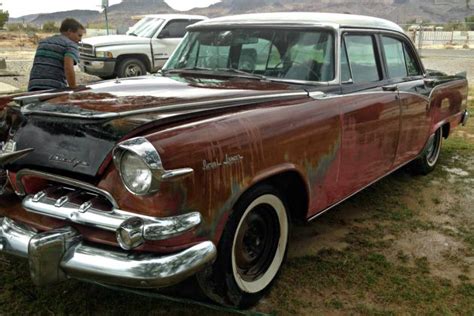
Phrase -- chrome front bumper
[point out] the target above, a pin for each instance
(60, 254)
(97, 66)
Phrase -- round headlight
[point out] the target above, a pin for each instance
(136, 175)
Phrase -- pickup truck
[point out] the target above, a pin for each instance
(145, 48)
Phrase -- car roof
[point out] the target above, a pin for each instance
(334, 20)
(175, 16)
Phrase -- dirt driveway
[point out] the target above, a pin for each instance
(403, 246)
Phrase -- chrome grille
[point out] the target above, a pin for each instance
(75, 205)
(83, 203)
(86, 50)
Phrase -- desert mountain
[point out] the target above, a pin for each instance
(399, 11)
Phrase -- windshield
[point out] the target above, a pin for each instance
(146, 27)
(306, 55)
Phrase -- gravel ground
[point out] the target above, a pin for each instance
(449, 61)
(20, 62)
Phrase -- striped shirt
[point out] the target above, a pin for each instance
(48, 66)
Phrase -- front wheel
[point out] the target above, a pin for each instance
(251, 251)
(428, 159)
(130, 67)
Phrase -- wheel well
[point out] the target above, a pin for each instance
(445, 129)
(143, 58)
(293, 189)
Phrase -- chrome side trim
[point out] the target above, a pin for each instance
(60, 253)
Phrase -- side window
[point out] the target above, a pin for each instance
(175, 29)
(345, 69)
(412, 66)
(395, 57)
(362, 58)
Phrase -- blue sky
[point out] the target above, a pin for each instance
(18, 8)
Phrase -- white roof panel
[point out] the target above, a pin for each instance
(302, 18)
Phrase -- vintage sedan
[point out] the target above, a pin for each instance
(254, 122)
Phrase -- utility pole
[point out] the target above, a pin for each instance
(105, 6)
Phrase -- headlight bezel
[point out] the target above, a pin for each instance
(141, 149)
(146, 152)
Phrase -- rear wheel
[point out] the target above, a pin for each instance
(251, 251)
(428, 159)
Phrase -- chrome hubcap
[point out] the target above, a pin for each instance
(133, 71)
(433, 148)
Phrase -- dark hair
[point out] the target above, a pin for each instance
(70, 24)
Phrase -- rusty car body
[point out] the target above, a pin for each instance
(254, 120)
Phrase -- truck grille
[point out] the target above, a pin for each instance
(86, 50)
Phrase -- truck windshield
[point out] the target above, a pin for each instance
(306, 55)
(146, 27)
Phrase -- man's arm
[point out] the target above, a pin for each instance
(69, 71)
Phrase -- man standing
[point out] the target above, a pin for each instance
(53, 66)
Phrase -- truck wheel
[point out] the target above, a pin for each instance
(131, 67)
(428, 159)
(251, 251)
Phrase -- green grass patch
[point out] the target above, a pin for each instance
(381, 286)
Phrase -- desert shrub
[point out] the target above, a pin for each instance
(50, 27)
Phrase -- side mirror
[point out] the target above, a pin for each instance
(164, 34)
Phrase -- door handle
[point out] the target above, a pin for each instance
(390, 88)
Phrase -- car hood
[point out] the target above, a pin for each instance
(115, 40)
(76, 132)
(153, 93)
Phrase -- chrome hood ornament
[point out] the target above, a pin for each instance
(9, 154)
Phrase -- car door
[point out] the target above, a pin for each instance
(370, 114)
(167, 39)
(405, 72)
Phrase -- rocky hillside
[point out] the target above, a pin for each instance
(400, 11)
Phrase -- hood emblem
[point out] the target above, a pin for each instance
(71, 161)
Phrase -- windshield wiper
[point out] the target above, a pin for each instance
(132, 34)
(216, 72)
(181, 70)
(242, 73)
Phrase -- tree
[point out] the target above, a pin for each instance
(3, 18)
(470, 22)
(50, 27)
